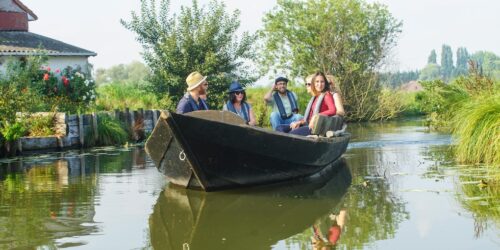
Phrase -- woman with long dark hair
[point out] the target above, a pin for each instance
(238, 105)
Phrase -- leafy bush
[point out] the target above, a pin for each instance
(412, 107)
(13, 131)
(390, 105)
(39, 125)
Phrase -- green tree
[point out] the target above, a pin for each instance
(462, 62)
(133, 73)
(346, 38)
(430, 72)
(489, 62)
(197, 39)
(446, 62)
(432, 57)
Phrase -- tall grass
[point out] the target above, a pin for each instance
(476, 126)
(120, 96)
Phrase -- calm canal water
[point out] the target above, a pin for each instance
(396, 189)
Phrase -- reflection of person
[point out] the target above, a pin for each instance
(336, 95)
(320, 242)
(284, 102)
(191, 101)
(238, 105)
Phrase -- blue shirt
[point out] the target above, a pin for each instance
(187, 104)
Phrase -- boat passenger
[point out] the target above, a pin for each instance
(321, 103)
(238, 105)
(191, 101)
(284, 102)
(286, 127)
(308, 83)
(337, 98)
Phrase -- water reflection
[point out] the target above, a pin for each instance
(49, 197)
(246, 219)
(477, 188)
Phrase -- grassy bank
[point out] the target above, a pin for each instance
(469, 108)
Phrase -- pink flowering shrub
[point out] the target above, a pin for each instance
(70, 86)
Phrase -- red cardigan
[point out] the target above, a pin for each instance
(327, 107)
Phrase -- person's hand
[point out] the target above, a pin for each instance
(332, 216)
(295, 125)
(311, 126)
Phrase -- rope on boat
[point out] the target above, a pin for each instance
(182, 155)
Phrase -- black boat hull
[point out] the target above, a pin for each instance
(215, 152)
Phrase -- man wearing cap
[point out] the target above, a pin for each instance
(191, 101)
(284, 102)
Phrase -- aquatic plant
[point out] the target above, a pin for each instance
(476, 126)
(110, 131)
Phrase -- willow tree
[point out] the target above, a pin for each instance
(346, 38)
(195, 39)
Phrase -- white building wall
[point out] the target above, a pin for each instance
(61, 62)
(56, 62)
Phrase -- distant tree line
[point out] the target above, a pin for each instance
(134, 73)
(487, 63)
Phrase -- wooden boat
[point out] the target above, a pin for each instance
(255, 218)
(213, 150)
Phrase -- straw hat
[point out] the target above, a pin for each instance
(194, 80)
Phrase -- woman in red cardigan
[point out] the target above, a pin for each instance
(321, 103)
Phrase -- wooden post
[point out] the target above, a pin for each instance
(132, 125)
(155, 118)
(117, 114)
(80, 129)
(20, 145)
(141, 111)
(94, 126)
(60, 142)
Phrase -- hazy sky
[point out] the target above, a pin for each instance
(427, 24)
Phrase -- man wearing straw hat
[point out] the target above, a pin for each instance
(191, 101)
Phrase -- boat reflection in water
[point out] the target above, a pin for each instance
(245, 219)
